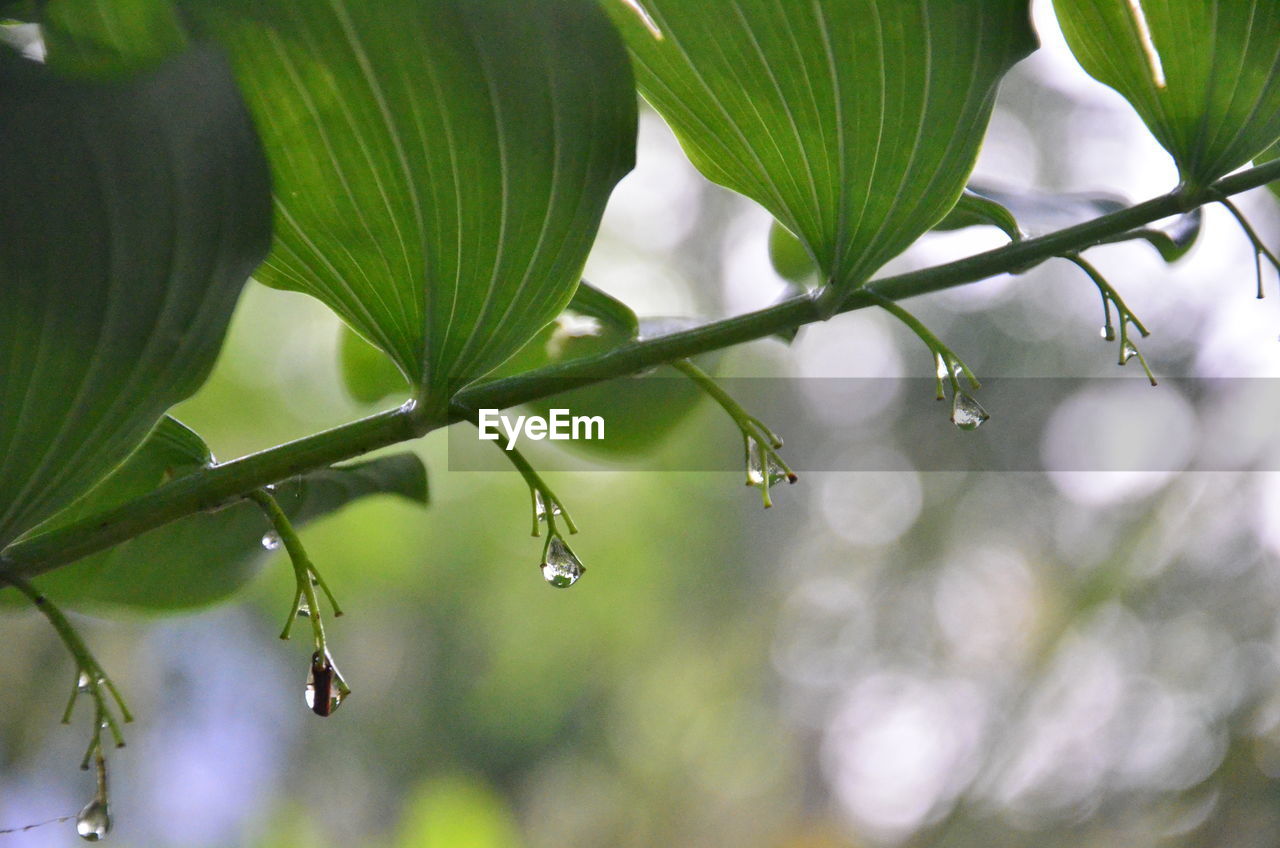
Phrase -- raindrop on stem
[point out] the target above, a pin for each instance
(760, 462)
(561, 568)
(967, 413)
(540, 506)
(94, 822)
(326, 689)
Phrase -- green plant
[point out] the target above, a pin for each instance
(439, 169)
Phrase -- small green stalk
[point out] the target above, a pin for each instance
(1260, 249)
(305, 575)
(754, 431)
(90, 678)
(537, 488)
(1124, 316)
(947, 363)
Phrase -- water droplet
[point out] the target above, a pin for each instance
(540, 506)
(325, 687)
(940, 366)
(561, 568)
(1108, 333)
(271, 540)
(1127, 352)
(94, 821)
(967, 413)
(84, 682)
(304, 609)
(757, 461)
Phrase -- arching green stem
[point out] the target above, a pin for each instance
(230, 481)
(947, 363)
(538, 488)
(1125, 317)
(760, 444)
(305, 575)
(1260, 248)
(90, 678)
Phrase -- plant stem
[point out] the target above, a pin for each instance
(208, 490)
(87, 669)
(1109, 294)
(943, 355)
(303, 569)
(753, 429)
(537, 486)
(1260, 248)
(1109, 298)
(222, 484)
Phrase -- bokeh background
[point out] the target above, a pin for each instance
(909, 657)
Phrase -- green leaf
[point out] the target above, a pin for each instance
(208, 556)
(170, 451)
(604, 307)
(1039, 213)
(133, 214)
(1203, 74)
(367, 373)
(1015, 212)
(110, 38)
(1270, 154)
(20, 10)
(441, 166)
(793, 263)
(370, 376)
(855, 122)
(789, 256)
(977, 208)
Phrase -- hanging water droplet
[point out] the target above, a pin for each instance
(540, 506)
(271, 540)
(758, 461)
(561, 568)
(325, 687)
(967, 413)
(84, 682)
(1127, 352)
(304, 609)
(1108, 333)
(755, 463)
(940, 366)
(94, 821)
